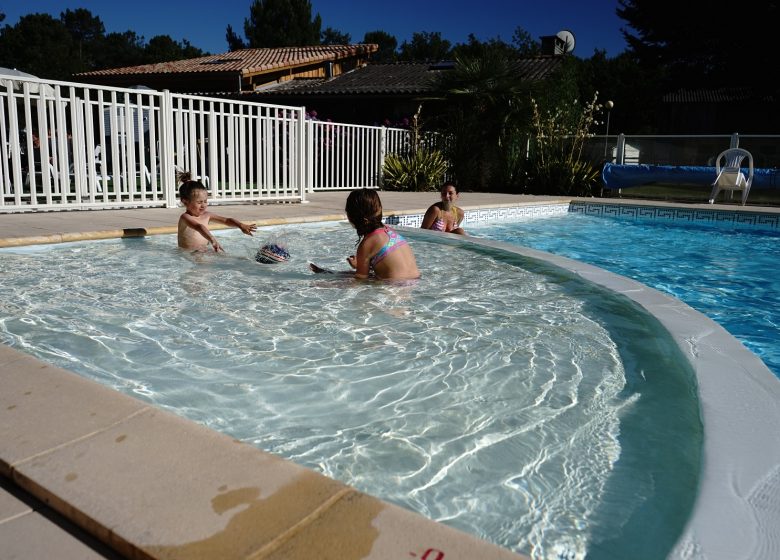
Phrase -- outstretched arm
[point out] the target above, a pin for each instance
(245, 228)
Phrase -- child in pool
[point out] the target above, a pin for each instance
(381, 250)
(194, 231)
(445, 216)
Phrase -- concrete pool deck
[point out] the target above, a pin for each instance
(164, 487)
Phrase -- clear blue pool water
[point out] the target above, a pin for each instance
(497, 394)
(728, 273)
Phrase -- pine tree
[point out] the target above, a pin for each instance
(281, 23)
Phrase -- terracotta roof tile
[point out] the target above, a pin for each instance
(245, 62)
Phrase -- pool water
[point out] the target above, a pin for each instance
(728, 273)
(497, 394)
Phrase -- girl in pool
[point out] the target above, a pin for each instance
(445, 216)
(194, 231)
(381, 250)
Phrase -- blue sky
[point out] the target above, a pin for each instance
(593, 22)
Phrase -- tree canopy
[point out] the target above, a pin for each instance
(425, 46)
(281, 23)
(77, 42)
(387, 45)
(53, 55)
(671, 46)
(332, 36)
(698, 44)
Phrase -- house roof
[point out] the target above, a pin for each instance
(535, 68)
(718, 95)
(396, 78)
(372, 78)
(245, 62)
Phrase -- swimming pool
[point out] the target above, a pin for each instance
(727, 272)
(498, 394)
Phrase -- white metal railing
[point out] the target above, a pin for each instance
(350, 156)
(68, 145)
(106, 147)
(242, 151)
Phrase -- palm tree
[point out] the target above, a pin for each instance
(487, 119)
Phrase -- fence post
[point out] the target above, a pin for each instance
(734, 140)
(620, 156)
(14, 146)
(77, 140)
(167, 165)
(382, 154)
(303, 176)
(310, 155)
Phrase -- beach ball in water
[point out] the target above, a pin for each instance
(272, 253)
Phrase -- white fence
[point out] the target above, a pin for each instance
(349, 156)
(65, 145)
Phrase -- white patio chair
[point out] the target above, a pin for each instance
(101, 168)
(729, 175)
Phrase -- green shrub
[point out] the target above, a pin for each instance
(418, 170)
(556, 165)
(563, 177)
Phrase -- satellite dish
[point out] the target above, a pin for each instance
(567, 38)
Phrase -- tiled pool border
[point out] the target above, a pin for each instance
(700, 216)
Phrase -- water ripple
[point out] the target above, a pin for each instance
(485, 395)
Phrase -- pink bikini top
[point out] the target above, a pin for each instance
(394, 241)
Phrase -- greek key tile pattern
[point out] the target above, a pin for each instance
(716, 218)
(757, 220)
(514, 213)
(485, 215)
(408, 220)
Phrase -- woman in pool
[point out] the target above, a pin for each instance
(445, 216)
(194, 231)
(381, 250)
